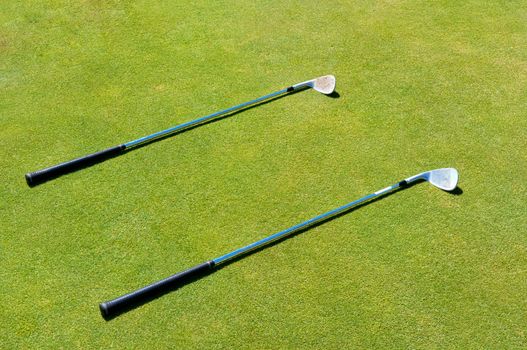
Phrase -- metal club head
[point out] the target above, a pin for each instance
(324, 84)
(445, 179)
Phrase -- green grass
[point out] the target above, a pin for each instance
(422, 85)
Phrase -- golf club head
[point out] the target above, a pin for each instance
(445, 179)
(325, 84)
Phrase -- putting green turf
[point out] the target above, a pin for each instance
(422, 85)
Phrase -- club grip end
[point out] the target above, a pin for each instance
(115, 307)
(29, 179)
(41, 176)
(103, 307)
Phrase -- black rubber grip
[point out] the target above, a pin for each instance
(40, 176)
(115, 307)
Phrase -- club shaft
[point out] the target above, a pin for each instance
(301, 226)
(43, 175)
(195, 122)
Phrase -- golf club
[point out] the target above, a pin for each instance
(324, 85)
(445, 179)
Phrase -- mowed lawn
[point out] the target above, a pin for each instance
(421, 85)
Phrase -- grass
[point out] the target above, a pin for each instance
(422, 85)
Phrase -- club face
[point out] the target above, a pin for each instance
(445, 179)
(325, 84)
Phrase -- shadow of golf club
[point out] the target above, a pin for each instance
(272, 244)
(150, 298)
(457, 191)
(334, 94)
(159, 294)
(226, 116)
(94, 161)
